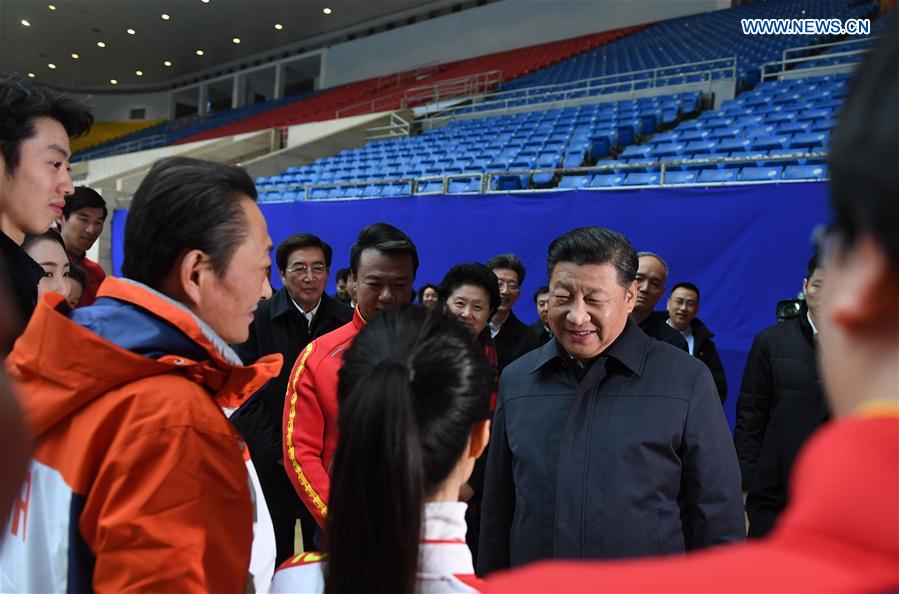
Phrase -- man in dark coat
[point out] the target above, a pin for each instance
(605, 443)
(294, 316)
(512, 337)
(652, 274)
(683, 306)
(541, 326)
(782, 363)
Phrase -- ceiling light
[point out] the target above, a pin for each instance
(165, 17)
(199, 52)
(75, 56)
(326, 10)
(167, 63)
(101, 44)
(113, 81)
(31, 75)
(236, 40)
(279, 26)
(25, 23)
(139, 72)
(130, 31)
(51, 66)
(51, 7)
(205, 1)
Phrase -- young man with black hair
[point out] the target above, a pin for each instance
(683, 306)
(383, 261)
(82, 222)
(605, 443)
(512, 336)
(296, 314)
(782, 364)
(540, 328)
(342, 279)
(840, 530)
(138, 480)
(35, 126)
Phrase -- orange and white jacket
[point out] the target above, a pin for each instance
(138, 481)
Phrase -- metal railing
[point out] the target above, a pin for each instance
(453, 88)
(397, 128)
(487, 179)
(786, 64)
(625, 82)
(807, 50)
(392, 80)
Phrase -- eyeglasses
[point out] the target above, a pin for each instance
(316, 269)
(512, 286)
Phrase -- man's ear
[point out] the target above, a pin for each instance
(866, 297)
(194, 268)
(480, 437)
(630, 296)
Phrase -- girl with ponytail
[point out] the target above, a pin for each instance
(414, 395)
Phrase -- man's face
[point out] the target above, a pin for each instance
(683, 305)
(588, 307)
(509, 288)
(305, 276)
(33, 196)
(82, 228)
(471, 305)
(812, 288)
(341, 290)
(52, 258)
(430, 298)
(383, 280)
(651, 279)
(543, 307)
(228, 301)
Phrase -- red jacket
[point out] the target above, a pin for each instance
(138, 481)
(310, 415)
(840, 533)
(94, 274)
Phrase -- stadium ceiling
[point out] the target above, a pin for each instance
(59, 41)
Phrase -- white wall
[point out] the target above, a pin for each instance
(116, 108)
(496, 27)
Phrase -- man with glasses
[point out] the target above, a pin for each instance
(296, 314)
(512, 337)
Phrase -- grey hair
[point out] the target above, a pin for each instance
(656, 256)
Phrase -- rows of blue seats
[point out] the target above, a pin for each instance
(705, 176)
(832, 55)
(696, 38)
(545, 140)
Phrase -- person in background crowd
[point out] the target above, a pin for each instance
(606, 443)
(429, 296)
(840, 530)
(341, 278)
(413, 394)
(652, 275)
(82, 222)
(541, 326)
(138, 479)
(383, 261)
(35, 126)
(297, 314)
(75, 281)
(511, 335)
(351, 289)
(683, 306)
(13, 435)
(782, 364)
(470, 292)
(48, 250)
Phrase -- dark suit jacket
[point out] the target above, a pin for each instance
(635, 458)
(704, 349)
(278, 328)
(655, 327)
(541, 334)
(793, 423)
(512, 341)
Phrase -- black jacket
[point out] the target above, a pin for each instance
(512, 341)
(23, 275)
(794, 421)
(655, 327)
(540, 334)
(705, 350)
(635, 458)
(781, 364)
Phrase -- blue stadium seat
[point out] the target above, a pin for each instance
(642, 179)
(606, 180)
(575, 181)
(717, 175)
(680, 177)
(760, 173)
(816, 172)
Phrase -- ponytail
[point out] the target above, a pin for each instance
(372, 538)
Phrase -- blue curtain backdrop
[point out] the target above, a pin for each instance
(746, 247)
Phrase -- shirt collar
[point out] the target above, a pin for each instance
(309, 314)
(808, 316)
(629, 349)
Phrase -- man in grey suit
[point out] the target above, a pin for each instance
(606, 443)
